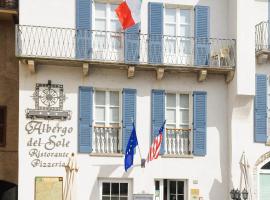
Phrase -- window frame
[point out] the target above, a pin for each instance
(112, 180)
(182, 57)
(3, 125)
(107, 106)
(178, 108)
(184, 189)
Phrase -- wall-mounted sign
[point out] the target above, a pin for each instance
(48, 188)
(49, 99)
(48, 142)
(195, 194)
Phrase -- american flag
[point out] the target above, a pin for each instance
(155, 147)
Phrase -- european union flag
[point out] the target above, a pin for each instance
(132, 143)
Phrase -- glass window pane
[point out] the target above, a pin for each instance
(180, 187)
(106, 189)
(186, 46)
(2, 134)
(172, 187)
(100, 114)
(184, 31)
(123, 189)
(115, 26)
(184, 126)
(114, 98)
(173, 197)
(170, 125)
(100, 98)
(100, 24)
(180, 197)
(99, 42)
(113, 14)
(115, 189)
(184, 116)
(171, 116)
(100, 9)
(114, 114)
(114, 198)
(184, 101)
(116, 43)
(171, 100)
(170, 15)
(170, 29)
(105, 198)
(185, 16)
(123, 198)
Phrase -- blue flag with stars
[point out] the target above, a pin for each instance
(132, 143)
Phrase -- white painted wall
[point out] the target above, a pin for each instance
(61, 13)
(210, 171)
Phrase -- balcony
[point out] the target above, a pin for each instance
(178, 142)
(106, 140)
(124, 50)
(8, 9)
(262, 41)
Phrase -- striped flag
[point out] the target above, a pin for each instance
(129, 13)
(155, 147)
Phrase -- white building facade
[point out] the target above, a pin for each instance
(83, 81)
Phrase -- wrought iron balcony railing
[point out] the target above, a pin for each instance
(106, 140)
(262, 38)
(178, 142)
(119, 47)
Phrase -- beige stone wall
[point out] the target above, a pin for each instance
(9, 85)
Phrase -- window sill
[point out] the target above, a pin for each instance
(177, 156)
(106, 154)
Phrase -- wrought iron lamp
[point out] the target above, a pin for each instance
(245, 194)
(236, 194)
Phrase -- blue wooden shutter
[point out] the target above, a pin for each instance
(129, 114)
(158, 115)
(155, 33)
(202, 29)
(85, 119)
(199, 123)
(260, 109)
(132, 44)
(83, 29)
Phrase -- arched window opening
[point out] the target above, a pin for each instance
(266, 166)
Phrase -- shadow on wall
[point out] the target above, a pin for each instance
(106, 171)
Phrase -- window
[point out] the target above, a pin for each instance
(107, 108)
(107, 41)
(107, 134)
(115, 190)
(178, 30)
(176, 190)
(3, 113)
(178, 110)
(178, 115)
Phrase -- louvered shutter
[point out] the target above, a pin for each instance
(199, 123)
(158, 115)
(155, 33)
(85, 119)
(202, 32)
(129, 114)
(132, 44)
(83, 29)
(260, 108)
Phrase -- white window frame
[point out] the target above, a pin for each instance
(116, 54)
(115, 180)
(176, 58)
(185, 187)
(108, 106)
(178, 107)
